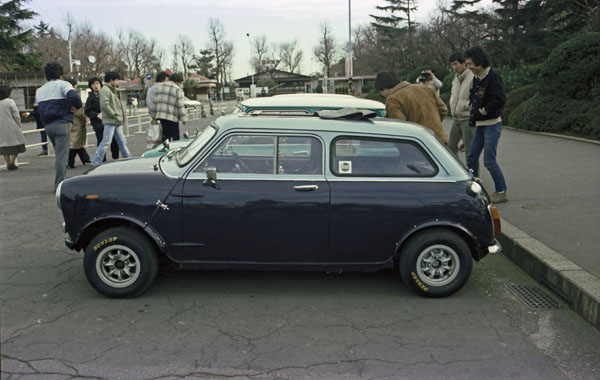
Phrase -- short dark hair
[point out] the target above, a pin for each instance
(386, 79)
(4, 92)
(457, 56)
(176, 77)
(478, 56)
(53, 71)
(72, 81)
(94, 79)
(111, 75)
(160, 77)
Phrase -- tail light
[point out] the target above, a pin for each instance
(496, 219)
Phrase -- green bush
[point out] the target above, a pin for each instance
(447, 81)
(516, 97)
(573, 68)
(513, 78)
(550, 113)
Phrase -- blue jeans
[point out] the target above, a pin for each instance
(110, 131)
(486, 138)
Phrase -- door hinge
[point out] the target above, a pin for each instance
(162, 205)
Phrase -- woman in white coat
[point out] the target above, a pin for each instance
(12, 141)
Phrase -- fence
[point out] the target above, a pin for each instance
(133, 124)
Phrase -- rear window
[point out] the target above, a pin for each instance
(380, 158)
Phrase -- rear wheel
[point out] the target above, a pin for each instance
(436, 263)
(120, 262)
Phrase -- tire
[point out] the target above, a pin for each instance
(120, 262)
(436, 263)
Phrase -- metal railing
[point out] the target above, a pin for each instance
(135, 124)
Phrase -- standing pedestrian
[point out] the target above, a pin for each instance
(487, 100)
(459, 105)
(78, 137)
(429, 79)
(12, 141)
(168, 106)
(134, 104)
(412, 102)
(113, 117)
(161, 77)
(57, 101)
(92, 110)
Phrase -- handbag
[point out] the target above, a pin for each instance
(153, 136)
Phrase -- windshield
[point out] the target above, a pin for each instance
(186, 155)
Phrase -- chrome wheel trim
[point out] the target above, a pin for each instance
(438, 265)
(118, 266)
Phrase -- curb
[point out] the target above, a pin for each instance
(577, 286)
(566, 137)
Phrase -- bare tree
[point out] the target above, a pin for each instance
(291, 55)
(136, 52)
(221, 49)
(185, 52)
(326, 51)
(259, 51)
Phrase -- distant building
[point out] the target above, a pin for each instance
(285, 82)
(205, 87)
(24, 86)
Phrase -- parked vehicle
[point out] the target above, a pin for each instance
(333, 193)
(297, 104)
(189, 103)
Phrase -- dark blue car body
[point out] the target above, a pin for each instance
(284, 193)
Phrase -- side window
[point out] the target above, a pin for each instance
(299, 155)
(380, 158)
(245, 154)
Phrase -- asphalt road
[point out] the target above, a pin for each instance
(248, 325)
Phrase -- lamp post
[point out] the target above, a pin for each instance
(252, 87)
(349, 63)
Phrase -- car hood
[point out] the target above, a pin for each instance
(126, 166)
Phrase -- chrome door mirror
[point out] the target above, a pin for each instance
(211, 177)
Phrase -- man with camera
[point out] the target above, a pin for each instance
(428, 78)
(412, 102)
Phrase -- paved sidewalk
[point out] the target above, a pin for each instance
(551, 223)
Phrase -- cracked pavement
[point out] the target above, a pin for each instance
(249, 325)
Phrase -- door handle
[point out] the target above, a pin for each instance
(306, 188)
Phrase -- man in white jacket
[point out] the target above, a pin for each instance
(459, 105)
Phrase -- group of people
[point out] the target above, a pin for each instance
(59, 111)
(476, 103)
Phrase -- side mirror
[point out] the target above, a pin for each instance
(211, 177)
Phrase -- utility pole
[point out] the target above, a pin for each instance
(349, 62)
(252, 86)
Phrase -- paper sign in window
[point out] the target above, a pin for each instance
(345, 167)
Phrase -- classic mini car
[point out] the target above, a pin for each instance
(289, 104)
(335, 192)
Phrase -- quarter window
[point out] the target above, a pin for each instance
(267, 154)
(380, 158)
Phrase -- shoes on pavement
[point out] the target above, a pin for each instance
(11, 167)
(44, 153)
(461, 147)
(499, 197)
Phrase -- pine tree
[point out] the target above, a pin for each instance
(398, 19)
(14, 39)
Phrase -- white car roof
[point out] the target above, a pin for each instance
(313, 100)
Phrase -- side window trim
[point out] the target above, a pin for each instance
(334, 171)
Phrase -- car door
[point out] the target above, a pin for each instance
(379, 189)
(270, 203)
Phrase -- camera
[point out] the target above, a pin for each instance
(425, 76)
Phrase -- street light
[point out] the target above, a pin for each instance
(251, 68)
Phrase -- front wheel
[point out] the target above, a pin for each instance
(120, 262)
(436, 263)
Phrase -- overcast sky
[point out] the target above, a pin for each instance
(164, 20)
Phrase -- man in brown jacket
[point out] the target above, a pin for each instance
(412, 102)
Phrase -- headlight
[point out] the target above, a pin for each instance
(58, 194)
(474, 188)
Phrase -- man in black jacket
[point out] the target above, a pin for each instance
(487, 100)
(92, 110)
